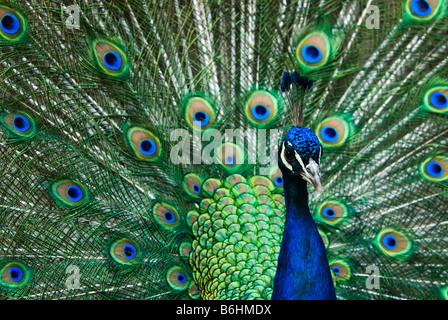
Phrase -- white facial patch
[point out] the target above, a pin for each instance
(299, 160)
(282, 156)
(320, 155)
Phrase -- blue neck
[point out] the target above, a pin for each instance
(303, 271)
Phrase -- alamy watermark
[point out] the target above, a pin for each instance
(72, 22)
(190, 148)
(373, 21)
(72, 281)
(373, 278)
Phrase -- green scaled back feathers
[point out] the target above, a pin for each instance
(117, 182)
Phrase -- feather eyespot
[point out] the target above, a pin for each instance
(148, 147)
(336, 270)
(329, 134)
(314, 50)
(435, 168)
(14, 275)
(210, 185)
(193, 291)
(70, 193)
(201, 118)
(74, 193)
(422, 9)
(19, 123)
(230, 156)
(328, 212)
(199, 113)
(278, 181)
(332, 212)
(260, 111)
(192, 185)
(111, 59)
(311, 54)
(436, 99)
(185, 249)
(166, 215)
(393, 243)
(125, 251)
(177, 278)
(261, 108)
(169, 216)
(145, 144)
(340, 269)
(11, 24)
(276, 177)
(333, 132)
(389, 241)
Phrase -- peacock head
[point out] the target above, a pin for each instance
(299, 156)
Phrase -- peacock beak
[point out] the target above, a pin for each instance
(311, 174)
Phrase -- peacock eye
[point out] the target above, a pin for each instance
(20, 123)
(70, 193)
(166, 216)
(129, 251)
(177, 278)
(14, 275)
(289, 155)
(112, 60)
(125, 251)
(12, 24)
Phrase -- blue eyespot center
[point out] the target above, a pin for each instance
(181, 278)
(390, 242)
(335, 269)
(197, 188)
(10, 23)
(112, 60)
(311, 54)
(434, 169)
(129, 251)
(329, 212)
(21, 123)
(15, 274)
(329, 134)
(230, 160)
(421, 7)
(74, 193)
(169, 216)
(201, 118)
(148, 147)
(439, 100)
(278, 181)
(260, 111)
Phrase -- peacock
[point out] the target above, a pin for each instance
(209, 149)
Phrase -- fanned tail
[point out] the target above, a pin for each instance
(118, 183)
